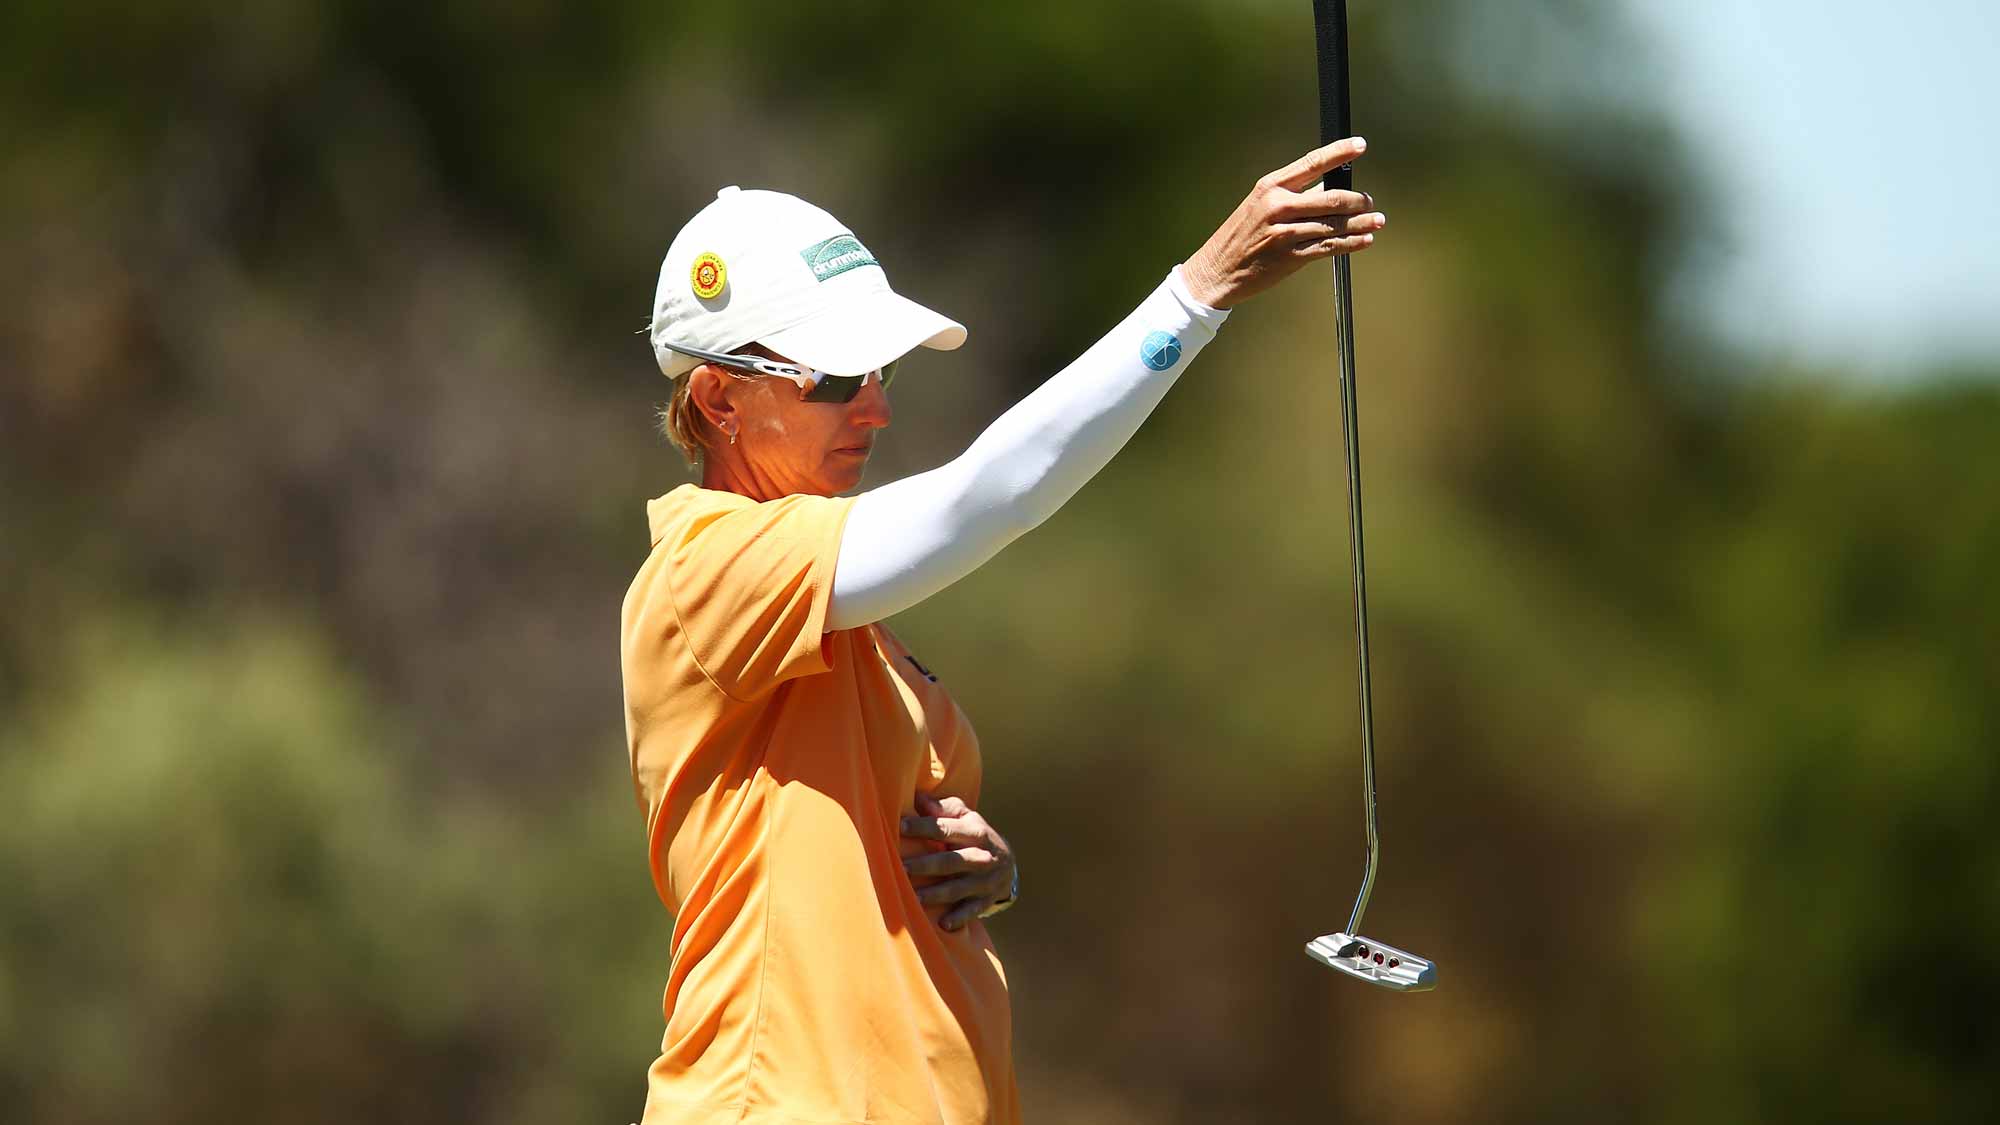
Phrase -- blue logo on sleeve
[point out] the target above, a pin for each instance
(1160, 350)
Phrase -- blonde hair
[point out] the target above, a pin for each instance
(682, 424)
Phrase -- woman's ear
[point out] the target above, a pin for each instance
(708, 390)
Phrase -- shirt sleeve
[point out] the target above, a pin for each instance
(750, 585)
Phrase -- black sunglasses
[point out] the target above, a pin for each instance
(843, 388)
(817, 386)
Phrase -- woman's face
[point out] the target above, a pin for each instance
(784, 444)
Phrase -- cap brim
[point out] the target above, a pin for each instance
(869, 332)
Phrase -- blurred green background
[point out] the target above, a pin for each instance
(324, 441)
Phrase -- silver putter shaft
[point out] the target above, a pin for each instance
(1362, 957)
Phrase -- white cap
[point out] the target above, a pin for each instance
(764, 267)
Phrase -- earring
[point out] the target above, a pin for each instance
(732, 436)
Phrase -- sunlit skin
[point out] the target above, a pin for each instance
(784, 445)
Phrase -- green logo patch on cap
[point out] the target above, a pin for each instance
(836, 256)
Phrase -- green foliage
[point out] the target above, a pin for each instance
(1841, 887)
(224, 902)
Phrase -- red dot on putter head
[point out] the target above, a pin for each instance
(1378, 958)
(1393, 962)
(1361, 951)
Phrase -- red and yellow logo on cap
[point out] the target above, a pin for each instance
(708, 276)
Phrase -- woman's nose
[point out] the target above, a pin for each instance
(871, 405)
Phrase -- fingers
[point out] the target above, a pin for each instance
(1318, 203)
(947, 863)
(1339, 228)
(948, 819)
(977, 868)
(958, 916)
(924, 827)
(1313, 166)
(961, 831)
(1333, 247)
(966, 895)
(948, 806)
(1316, 222)
(955, 890)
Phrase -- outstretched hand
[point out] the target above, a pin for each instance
(1281, 225)
(979, 861)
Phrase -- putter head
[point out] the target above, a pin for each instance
(1369, 960)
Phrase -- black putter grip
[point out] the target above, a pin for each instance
(1336, 120)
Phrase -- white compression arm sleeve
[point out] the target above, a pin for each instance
(911, 538)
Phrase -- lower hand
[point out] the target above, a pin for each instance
(1281, 225)
(978, 861)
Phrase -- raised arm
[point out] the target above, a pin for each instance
(909, 539)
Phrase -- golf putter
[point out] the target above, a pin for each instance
(1360, 957)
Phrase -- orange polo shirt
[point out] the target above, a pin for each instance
(774, 762)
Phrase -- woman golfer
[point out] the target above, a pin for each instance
(809, 788)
